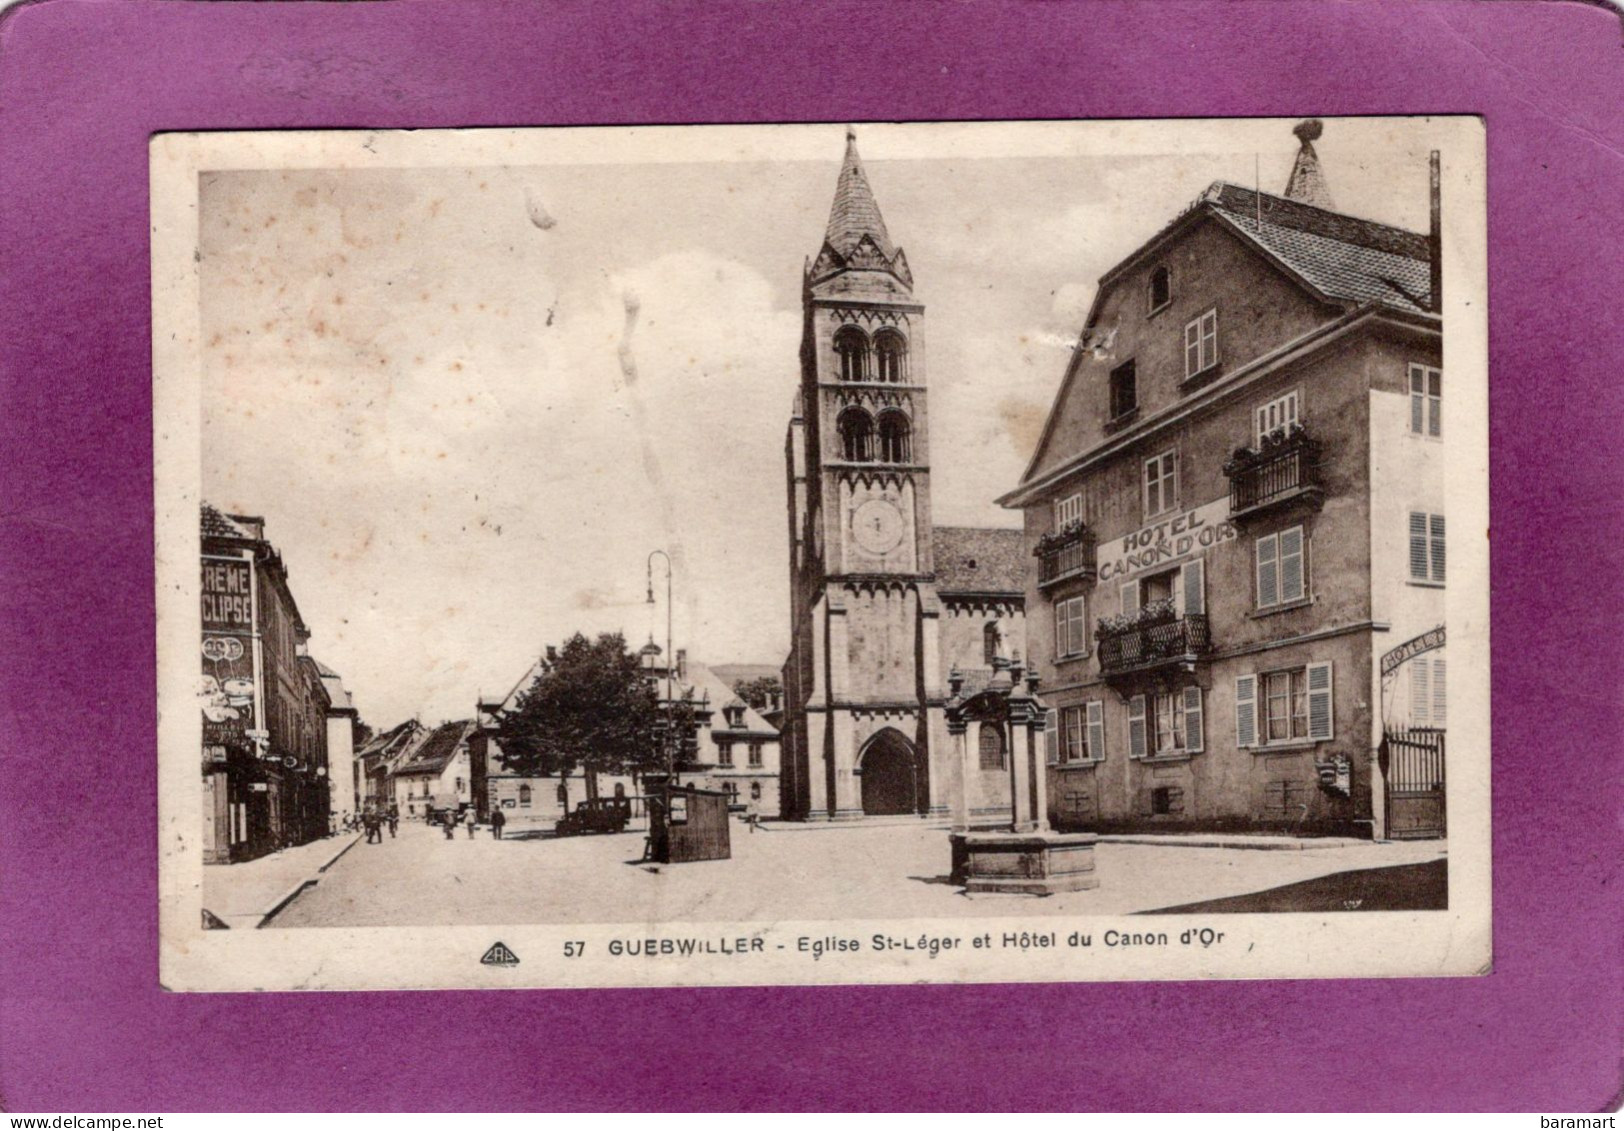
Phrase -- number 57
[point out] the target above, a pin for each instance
(574, 949)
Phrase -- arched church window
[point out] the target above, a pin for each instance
(990, 637)
(896, 437)
(891, 350)
(851, 344)
(856, 435)
(992, 747)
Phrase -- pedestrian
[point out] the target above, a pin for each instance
(448, 822)
(473, 819)
(374, 835)
(498, 819)
(394, 820)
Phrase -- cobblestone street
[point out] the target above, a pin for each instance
(780, 872)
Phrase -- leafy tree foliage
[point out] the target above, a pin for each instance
(591, 708)
(760, 692)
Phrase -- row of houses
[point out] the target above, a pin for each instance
(278, 726)
(459, 765)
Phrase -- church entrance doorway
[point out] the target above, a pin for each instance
(889, 786)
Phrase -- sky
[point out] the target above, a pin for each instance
(469, 402)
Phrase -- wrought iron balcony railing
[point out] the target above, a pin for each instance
(1283, 467)
(1065, 554)
(1145, 645)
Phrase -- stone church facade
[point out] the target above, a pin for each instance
(884, 605)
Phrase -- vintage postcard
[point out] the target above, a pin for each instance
(732, 555)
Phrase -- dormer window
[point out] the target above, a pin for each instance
(1124, 390)
(1161, 288)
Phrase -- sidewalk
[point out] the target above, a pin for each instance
(244, 896)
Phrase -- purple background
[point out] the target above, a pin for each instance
(83, 1024)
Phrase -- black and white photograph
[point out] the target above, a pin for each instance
(869, 552)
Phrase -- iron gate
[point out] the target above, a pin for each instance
(1413, 766)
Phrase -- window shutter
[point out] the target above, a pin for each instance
(1418, 398)
(1130, 598)
(1246, 711)
(1192, 348)
(1435, 402)
(1051, 736)
(1437, 547)
(1418, 546)
(1096, 730)
(1193, 587)
(1059, 629)
(1136, 727)
(1420, 691)
(1440, 701)
(1193, 729)
(1319, 702)
(1268, 571)
(1291, 564)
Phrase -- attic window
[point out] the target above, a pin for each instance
(1124, 390)
(1161, 288)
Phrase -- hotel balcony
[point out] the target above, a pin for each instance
(1152, 643)
(1284, 468)
(1065, 554)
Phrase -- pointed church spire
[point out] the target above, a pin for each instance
(855, 213)
(1307, 182)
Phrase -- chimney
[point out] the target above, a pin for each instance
(1435, 237)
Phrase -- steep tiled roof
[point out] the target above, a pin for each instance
(855, 213)
(1343, 257)
(217, 525)
(437, 749)
(974, 559)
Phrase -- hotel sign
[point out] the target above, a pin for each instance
(1175, 537)
(1426, 642)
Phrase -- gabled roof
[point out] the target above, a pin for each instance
(219, 525)
(704, 680)
(437, 749)
(392, 741)
(1340, 260)
(976, 559)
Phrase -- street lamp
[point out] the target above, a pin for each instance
(669, 655)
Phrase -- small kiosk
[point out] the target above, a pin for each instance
(686, 823)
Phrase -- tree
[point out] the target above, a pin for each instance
(761, 692)
(591, 708)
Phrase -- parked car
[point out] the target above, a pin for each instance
(602, 815)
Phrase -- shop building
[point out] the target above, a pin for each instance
(263, 701)
(435, 775)
(1234, 513)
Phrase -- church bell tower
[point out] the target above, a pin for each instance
(861, 535)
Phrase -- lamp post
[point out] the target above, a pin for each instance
(670, 715)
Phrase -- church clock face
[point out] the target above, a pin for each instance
(877, 526)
